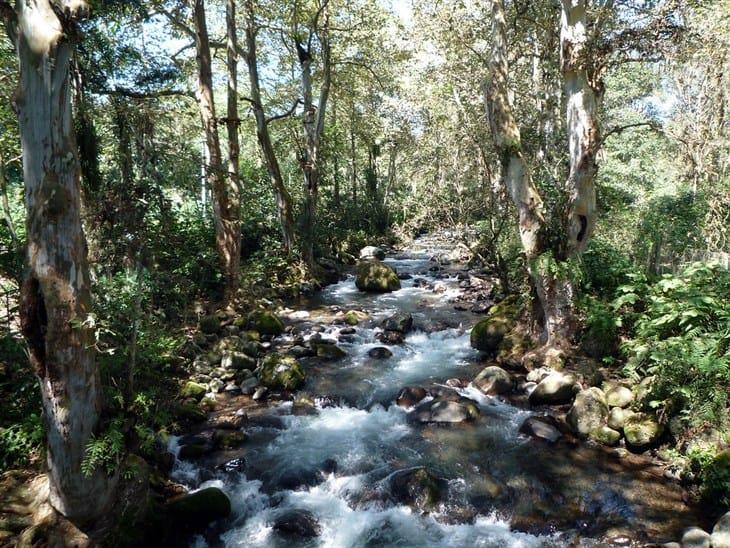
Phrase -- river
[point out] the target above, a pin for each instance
(335, 461)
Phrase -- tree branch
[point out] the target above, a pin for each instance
(134, 94)
(615, 131)
(284, 114)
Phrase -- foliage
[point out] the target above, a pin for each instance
(104, 451)
(681, 336)
(20, 442)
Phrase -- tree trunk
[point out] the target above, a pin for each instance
(283, 198)
(226, 207)
(582, 125)
(353, 157)
(232, 123)
(313, 121)
(56, 298)
(549, 268)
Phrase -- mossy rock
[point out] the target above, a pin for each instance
(195, 511)
(351, 318)
(210, 325)
(190, 412)
(266, 323)
(193, 390)
(589, 411)
(225, 439)
(487, 335)
(642, 431)
(330, 352)
(376, 277)
(605, 435)
(279, 371)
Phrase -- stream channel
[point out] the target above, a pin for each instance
(339, 472)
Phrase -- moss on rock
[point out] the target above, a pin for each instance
(278, 371)
(642, 430)
(266, 323)
(193, 390)
(376, 277)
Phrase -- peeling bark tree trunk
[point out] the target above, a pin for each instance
(547, 266)
(517, 177)
(226, 206)
(313, 120)
(234, 148)
(283, 198)
(506, 135)
(582, 124)
(56, 299)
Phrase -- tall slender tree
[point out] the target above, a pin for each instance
(56, 297)
(225, 192)
(283, 198)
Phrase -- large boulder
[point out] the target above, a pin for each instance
(372, 252)
(487, 334)
(418, 488)
(376, 277)
(194, 511)
(401, 322)
(554, 389)
(266, 322)
(493, 380)
(605, 435)
(619, 396)
(278, 371)
(694, 537)
(642, 431)
(193, 390)
(589, 411)
(446, 411)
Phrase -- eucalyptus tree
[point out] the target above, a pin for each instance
(56, 296)
(223, 183)
(268, 152)
(594, 37)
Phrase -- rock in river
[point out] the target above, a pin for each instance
(555, 389)
(493, 380)
(379, 353)
(280, 372)
(445, 411)
(410, 396)
(542, 428)
(418, 488)
(376, 277)
(195, 511)
(589, 411)
(372, 252)
(297, 524)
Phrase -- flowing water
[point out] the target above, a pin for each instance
(335, 460)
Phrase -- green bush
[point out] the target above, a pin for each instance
(681, 336)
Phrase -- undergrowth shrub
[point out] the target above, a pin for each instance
(681, 336)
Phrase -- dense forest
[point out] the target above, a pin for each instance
(365, 273)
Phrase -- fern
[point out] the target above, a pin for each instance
(104, 451)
